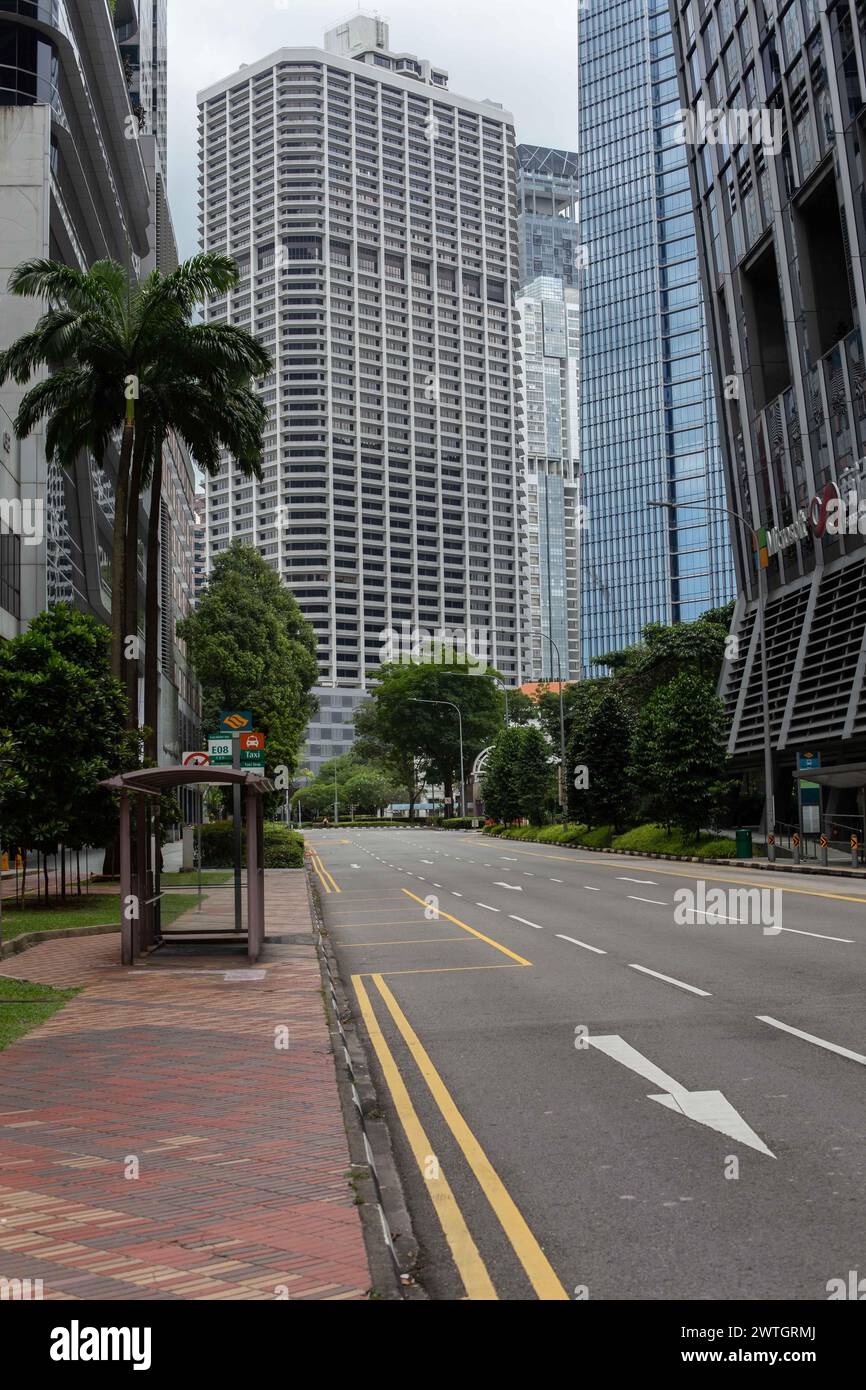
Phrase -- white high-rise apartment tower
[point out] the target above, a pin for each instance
(372, 215)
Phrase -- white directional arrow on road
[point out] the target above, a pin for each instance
(356, 866)
(515, 887)
(706, 1107)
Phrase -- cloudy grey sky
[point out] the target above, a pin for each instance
(522, 53)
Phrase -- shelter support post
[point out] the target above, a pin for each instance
(127, 944)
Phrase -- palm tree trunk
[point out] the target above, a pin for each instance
(151, 618)
(118, 549)
(131, 587)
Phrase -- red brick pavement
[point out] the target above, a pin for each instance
(170, 1070)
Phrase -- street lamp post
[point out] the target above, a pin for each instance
(563, 794)
(415, 700)
(762, 623)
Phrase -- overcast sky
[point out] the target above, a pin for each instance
(523, 55)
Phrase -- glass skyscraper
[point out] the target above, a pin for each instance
(647, 415)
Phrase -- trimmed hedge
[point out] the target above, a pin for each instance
(642, 839)
(282, 848)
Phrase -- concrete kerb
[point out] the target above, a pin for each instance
(392, 1249)
(26, 940)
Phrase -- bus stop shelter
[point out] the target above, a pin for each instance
(140, 892)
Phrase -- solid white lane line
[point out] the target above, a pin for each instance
(658, 902)
(669, 979)
(489, 908)
(585, 944)
(810, 1037)
(526, 922)
(623, 878)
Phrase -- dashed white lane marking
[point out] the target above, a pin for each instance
(426, 861)
(669, 979)
(590, 889)
(526, 875)
(623, 878)
(657, 901)
(526, 922)
(455, 894)
(585, 944)
(849, 940)
(556, 880)
(810, 1037)
(489, 908)
(437, 885)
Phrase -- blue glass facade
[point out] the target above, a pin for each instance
(648, 426)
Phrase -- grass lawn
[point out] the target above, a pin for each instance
(98, 909)
(23, 1006)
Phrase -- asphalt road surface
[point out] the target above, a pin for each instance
(601, 1080)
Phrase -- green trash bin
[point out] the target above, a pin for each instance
(744, 844)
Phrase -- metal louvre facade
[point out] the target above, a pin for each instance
(773, 106)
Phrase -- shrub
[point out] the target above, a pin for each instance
(282, 848)
(458, 823)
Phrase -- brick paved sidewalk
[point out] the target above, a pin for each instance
(171, 1067)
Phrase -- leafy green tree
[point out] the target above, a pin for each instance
(252, 648)
(604, 749)
(667, 650)
(381, 741)
(679, 760)
(522, 709)
(65, 712)
(501, 788)
(582, 700)
(429, 733)
(535, 774)
(119, 356)
(368, 789)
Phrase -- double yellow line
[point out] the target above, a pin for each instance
(467, 1258)
(327, 880)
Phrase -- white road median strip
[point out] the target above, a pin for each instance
(810, 1037)
(526, 922)
(669, 979)
(585, 944)
(657, 902)
(488, 907)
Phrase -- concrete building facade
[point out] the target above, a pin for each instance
(372, 215)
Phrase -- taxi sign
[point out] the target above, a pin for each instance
(252, 743)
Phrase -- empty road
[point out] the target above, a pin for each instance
(600, 1080)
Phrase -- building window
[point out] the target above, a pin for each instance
(10, 573)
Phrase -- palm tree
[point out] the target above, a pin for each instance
(126, 360)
